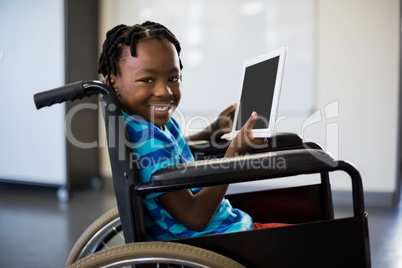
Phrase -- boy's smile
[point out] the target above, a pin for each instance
(149, 84)
(160, 108)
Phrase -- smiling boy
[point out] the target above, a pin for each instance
(142, 64)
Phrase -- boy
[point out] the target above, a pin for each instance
(142, 64)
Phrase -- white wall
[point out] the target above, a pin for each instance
(358, 66)
(341, 85)
(31, 60)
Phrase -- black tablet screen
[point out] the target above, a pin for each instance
(258, 92)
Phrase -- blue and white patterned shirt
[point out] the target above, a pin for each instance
(155, 149)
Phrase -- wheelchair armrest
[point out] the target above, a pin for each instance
(249, 167)
(216, 149)
(253, 167)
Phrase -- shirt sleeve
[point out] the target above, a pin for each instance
(154, 149)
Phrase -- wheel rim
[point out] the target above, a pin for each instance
(156, 254)
(157, 261)
(99, 241)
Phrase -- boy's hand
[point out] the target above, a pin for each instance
(244, 140)
(224, 123)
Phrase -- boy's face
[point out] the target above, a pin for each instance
(149, 84)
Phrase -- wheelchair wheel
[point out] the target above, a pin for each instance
(155, 254)
(103, 233)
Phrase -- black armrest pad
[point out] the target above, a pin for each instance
(244, 168)
(214, 149)
(284, 140)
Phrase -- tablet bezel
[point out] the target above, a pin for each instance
(270, 130)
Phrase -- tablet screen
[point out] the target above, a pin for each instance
(258, 92)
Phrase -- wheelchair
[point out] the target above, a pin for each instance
(315, 239)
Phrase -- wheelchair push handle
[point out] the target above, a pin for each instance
(70, 92)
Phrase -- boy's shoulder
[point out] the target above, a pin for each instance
(137, 124)
(173, 121)
(133, 119)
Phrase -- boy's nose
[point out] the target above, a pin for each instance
(163, 91)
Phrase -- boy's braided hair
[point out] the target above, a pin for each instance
(123, 35)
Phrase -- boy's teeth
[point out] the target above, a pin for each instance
(160, 108)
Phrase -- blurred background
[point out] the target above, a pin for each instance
(341, 84)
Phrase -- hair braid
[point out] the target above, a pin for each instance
(123, 35)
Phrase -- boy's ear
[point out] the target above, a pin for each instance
(111, 79)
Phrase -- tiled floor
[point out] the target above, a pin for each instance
(36, 230)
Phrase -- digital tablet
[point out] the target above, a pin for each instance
(260, 91)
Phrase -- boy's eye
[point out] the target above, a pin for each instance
(147, 80)
(174, 79)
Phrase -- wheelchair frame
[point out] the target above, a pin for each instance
(310, 242)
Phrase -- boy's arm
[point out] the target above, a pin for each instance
(196, 211)
(221, 126)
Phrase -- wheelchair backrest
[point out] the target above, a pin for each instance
(124, 171)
